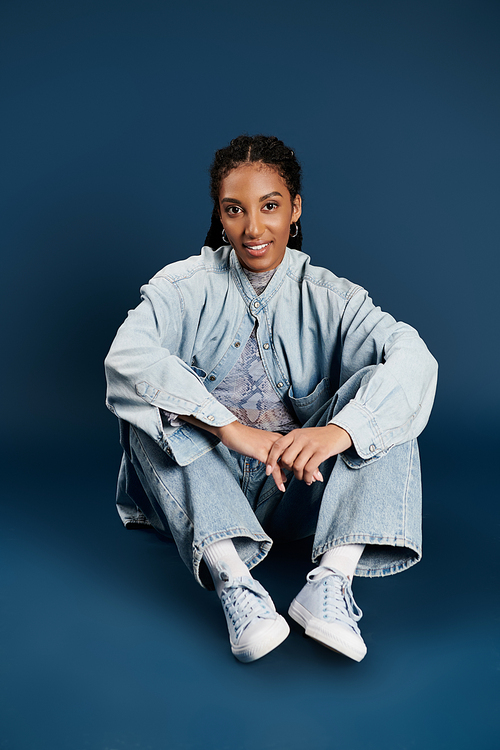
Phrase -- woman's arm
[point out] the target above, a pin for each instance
(395, 397)
(145, 375)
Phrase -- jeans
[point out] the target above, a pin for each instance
(222, 494)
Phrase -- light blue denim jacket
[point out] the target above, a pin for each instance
(314, 331)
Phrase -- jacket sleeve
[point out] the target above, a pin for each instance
(394, 400)
(145, 375)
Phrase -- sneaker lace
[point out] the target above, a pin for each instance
(244, 599)
(338, 600)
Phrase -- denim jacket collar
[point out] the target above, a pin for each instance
(245, 287)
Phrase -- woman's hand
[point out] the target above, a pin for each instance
(248, 441)
(302, 451)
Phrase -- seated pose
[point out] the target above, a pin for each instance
(263, 398)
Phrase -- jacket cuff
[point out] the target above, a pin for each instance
(188, 443)
(363, 429)
(213, 413)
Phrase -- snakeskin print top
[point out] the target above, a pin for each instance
(246, 390)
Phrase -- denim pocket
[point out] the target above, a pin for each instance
(306, 406)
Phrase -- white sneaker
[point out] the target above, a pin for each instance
(255, 628)
(326, 609)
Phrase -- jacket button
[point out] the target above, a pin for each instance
(280, 384)
(211, 417)
(212, 378)
(237, 344)
(372, 448)
(256, 303)
(266, 346)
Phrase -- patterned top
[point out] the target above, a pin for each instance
(246, 390)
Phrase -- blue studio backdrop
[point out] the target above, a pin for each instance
(111, 112)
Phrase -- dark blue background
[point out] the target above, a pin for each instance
(111, 112)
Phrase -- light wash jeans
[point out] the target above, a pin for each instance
(376, 502)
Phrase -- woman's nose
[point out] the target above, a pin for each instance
(255, 226)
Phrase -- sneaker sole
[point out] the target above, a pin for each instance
(275, 635)
(315, 628)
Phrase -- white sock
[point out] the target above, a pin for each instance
(344, 558)
(224, 551)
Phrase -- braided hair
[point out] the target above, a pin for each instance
(257, 148)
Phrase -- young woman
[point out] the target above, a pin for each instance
(261, 397)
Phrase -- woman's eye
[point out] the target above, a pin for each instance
(233, 210)
(270, 206)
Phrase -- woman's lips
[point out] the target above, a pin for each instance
(257, 249)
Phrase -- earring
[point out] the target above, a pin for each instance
(296, 230)
(224, 238)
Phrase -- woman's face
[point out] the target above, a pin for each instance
(256, 211)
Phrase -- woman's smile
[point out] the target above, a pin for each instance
(257, 250)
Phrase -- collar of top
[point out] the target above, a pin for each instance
(246, 288)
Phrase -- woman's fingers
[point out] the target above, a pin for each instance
(306, 465)
(303, 451)
(280, 478)
(314, 475)
(276, 452)
(293, 451)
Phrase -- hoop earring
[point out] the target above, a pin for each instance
(296, 230)
(225, 238)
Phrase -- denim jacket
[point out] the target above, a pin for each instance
(314, 331)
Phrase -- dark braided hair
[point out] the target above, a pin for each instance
(253, 148)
